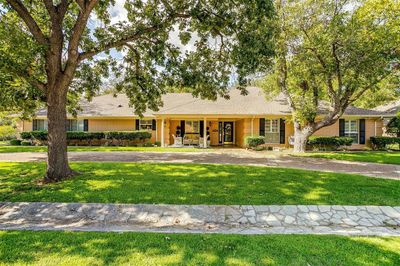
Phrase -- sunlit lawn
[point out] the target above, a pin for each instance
(8, 148)
(386, 157)
(195, 184)
(73, 248)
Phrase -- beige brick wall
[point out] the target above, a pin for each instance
(111, 125)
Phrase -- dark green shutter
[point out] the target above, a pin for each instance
(341, 127)
(262, 126)
(137, 124)
(201, 128)
(182, 128)
(362, 131)
(85, 125)
(34, 125)
(153, 124)
(282, 131)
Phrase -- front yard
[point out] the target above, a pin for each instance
(195, 184)
(385, 157)
(73, 248)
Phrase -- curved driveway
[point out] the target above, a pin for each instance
(235, 156)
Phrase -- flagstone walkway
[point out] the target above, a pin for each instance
(245, 219)
(232, 156)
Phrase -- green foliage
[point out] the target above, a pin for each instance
(7, 132)
(393, 127)
(157, 143)
(253, 142)
(26, 143)
(78, 135)
(15, 142)
(223, 35)
(329, 53)
(381, 143)
(329, 143)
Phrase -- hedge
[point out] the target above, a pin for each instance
(380, 143)
(329, 143)
(75, 135)
(253, 142)
(7, 133)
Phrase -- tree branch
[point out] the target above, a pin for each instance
(23, 12)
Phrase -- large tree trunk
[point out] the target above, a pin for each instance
(57, 158)
(301, 135)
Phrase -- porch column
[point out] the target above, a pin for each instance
(162, 133)
(205, 133)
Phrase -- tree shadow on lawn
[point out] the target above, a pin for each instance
(195, 184)
(193, 249)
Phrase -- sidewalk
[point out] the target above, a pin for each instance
(246, 219)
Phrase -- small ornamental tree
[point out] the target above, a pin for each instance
(329, 53)
(48, 54)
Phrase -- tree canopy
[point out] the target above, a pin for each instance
(330, 53)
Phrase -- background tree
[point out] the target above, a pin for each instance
(48, 54)
(329, 54)
(393, 127)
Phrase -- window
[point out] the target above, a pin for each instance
(192, 126)
(351, 129)
(145, 124)
(272, 130)
(75, 125)
(40, 125)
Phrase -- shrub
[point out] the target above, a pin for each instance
(15, 142)
(253, 142)
(37, 135)
(7, 132)
(157, 143)
(26, 143)
(148, 144)
(329, 143)
(380, 143)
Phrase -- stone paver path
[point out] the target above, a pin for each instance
(233, 156)
(245, 219)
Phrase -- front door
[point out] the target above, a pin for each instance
(228, 132)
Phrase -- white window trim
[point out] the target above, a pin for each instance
(192, 132)
(346, 133)
(270, 127)
(144, 122)
(80, 127)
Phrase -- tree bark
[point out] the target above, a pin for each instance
(301, 135)
(57, 158)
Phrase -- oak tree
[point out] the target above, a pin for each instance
(54, 51)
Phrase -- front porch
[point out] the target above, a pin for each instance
(204, 132)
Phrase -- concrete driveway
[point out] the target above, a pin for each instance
(233, 156)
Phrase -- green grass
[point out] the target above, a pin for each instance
(362, 156)
(5, 149)
(89, 248)
(195, 184)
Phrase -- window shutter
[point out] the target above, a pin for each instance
(137, 124)
(182, 128)
(341, 127)
(85, 125)
(34, 124)
(201, 128)
(153, 124)
(362, 131)
(282, 131)
(262, 126)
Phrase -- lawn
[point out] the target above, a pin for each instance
(195, 184)
(7, 148)
(90, 248)
(362, 156)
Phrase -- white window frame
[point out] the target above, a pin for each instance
(146, 124)
(269, 129)
(78, 127)
(42, 124)
(348, 133)
(192, 122)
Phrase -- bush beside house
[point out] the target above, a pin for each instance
(383, 143)
(7, 133)
(328, 143)
(112, 138)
